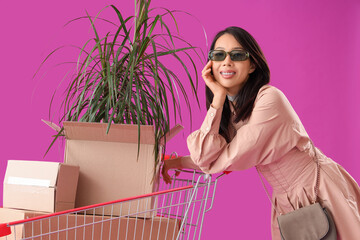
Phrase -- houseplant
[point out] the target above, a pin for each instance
(122, 78)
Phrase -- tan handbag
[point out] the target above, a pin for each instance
(312, 222)
(308, 223)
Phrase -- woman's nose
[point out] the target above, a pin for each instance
(227, 60)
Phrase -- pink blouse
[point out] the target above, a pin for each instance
(272, 131)
(274, 140)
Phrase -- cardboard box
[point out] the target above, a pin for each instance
(110, 168)
(97, 227)
(40, 186)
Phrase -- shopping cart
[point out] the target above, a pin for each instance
(174, 213)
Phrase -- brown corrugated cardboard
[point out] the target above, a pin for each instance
(103, 227)
(110, 167)
(40, 186)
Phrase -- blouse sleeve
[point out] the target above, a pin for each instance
(272, 130)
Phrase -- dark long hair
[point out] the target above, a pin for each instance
(245, 98)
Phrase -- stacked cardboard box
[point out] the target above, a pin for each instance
(37, 187)
(74, 226)
(40, 186)
(111, 167)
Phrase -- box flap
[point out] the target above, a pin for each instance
(52, 125)
(169, 135)
(66, 187)
(31, 173)
(118, 132)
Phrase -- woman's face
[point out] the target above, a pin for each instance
(232, 75)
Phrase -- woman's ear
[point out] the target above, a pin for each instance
(252, 68)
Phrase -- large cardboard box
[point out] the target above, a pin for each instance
(72, 227)
(40, 186)
(110, 167)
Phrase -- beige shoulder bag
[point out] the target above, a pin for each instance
(312, 222)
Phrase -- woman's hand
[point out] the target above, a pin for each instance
(216, 88)
(177, 163)
(172, 163)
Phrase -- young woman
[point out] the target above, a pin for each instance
(250, 123)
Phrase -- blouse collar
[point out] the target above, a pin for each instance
(231, 98)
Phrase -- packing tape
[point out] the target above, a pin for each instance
(29, 181)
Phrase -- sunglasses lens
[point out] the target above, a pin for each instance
(235, 55)
(238, 55)
(217, 55)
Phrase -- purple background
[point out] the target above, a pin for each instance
(312, 48)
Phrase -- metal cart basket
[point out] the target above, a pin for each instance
(174, 213)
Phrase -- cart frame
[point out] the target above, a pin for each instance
(180, 211)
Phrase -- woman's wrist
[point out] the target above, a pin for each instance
(174, 163)
(218, 101)
(187, 162)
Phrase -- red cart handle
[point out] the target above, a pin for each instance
(4, 229)
(172, 155)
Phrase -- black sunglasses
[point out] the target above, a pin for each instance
(235, 55)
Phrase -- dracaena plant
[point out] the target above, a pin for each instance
(123, 77)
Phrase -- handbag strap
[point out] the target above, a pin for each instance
(316, 184)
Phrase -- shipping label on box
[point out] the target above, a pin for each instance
(40, 186)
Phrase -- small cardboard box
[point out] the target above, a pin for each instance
(40, 186)
(71, 227)
(110, 168)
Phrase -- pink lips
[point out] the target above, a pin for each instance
(227, 74)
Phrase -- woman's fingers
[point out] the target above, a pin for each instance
(170, 164)
(210, 81)
(165, 174)
(207, 76)
(206, 72)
